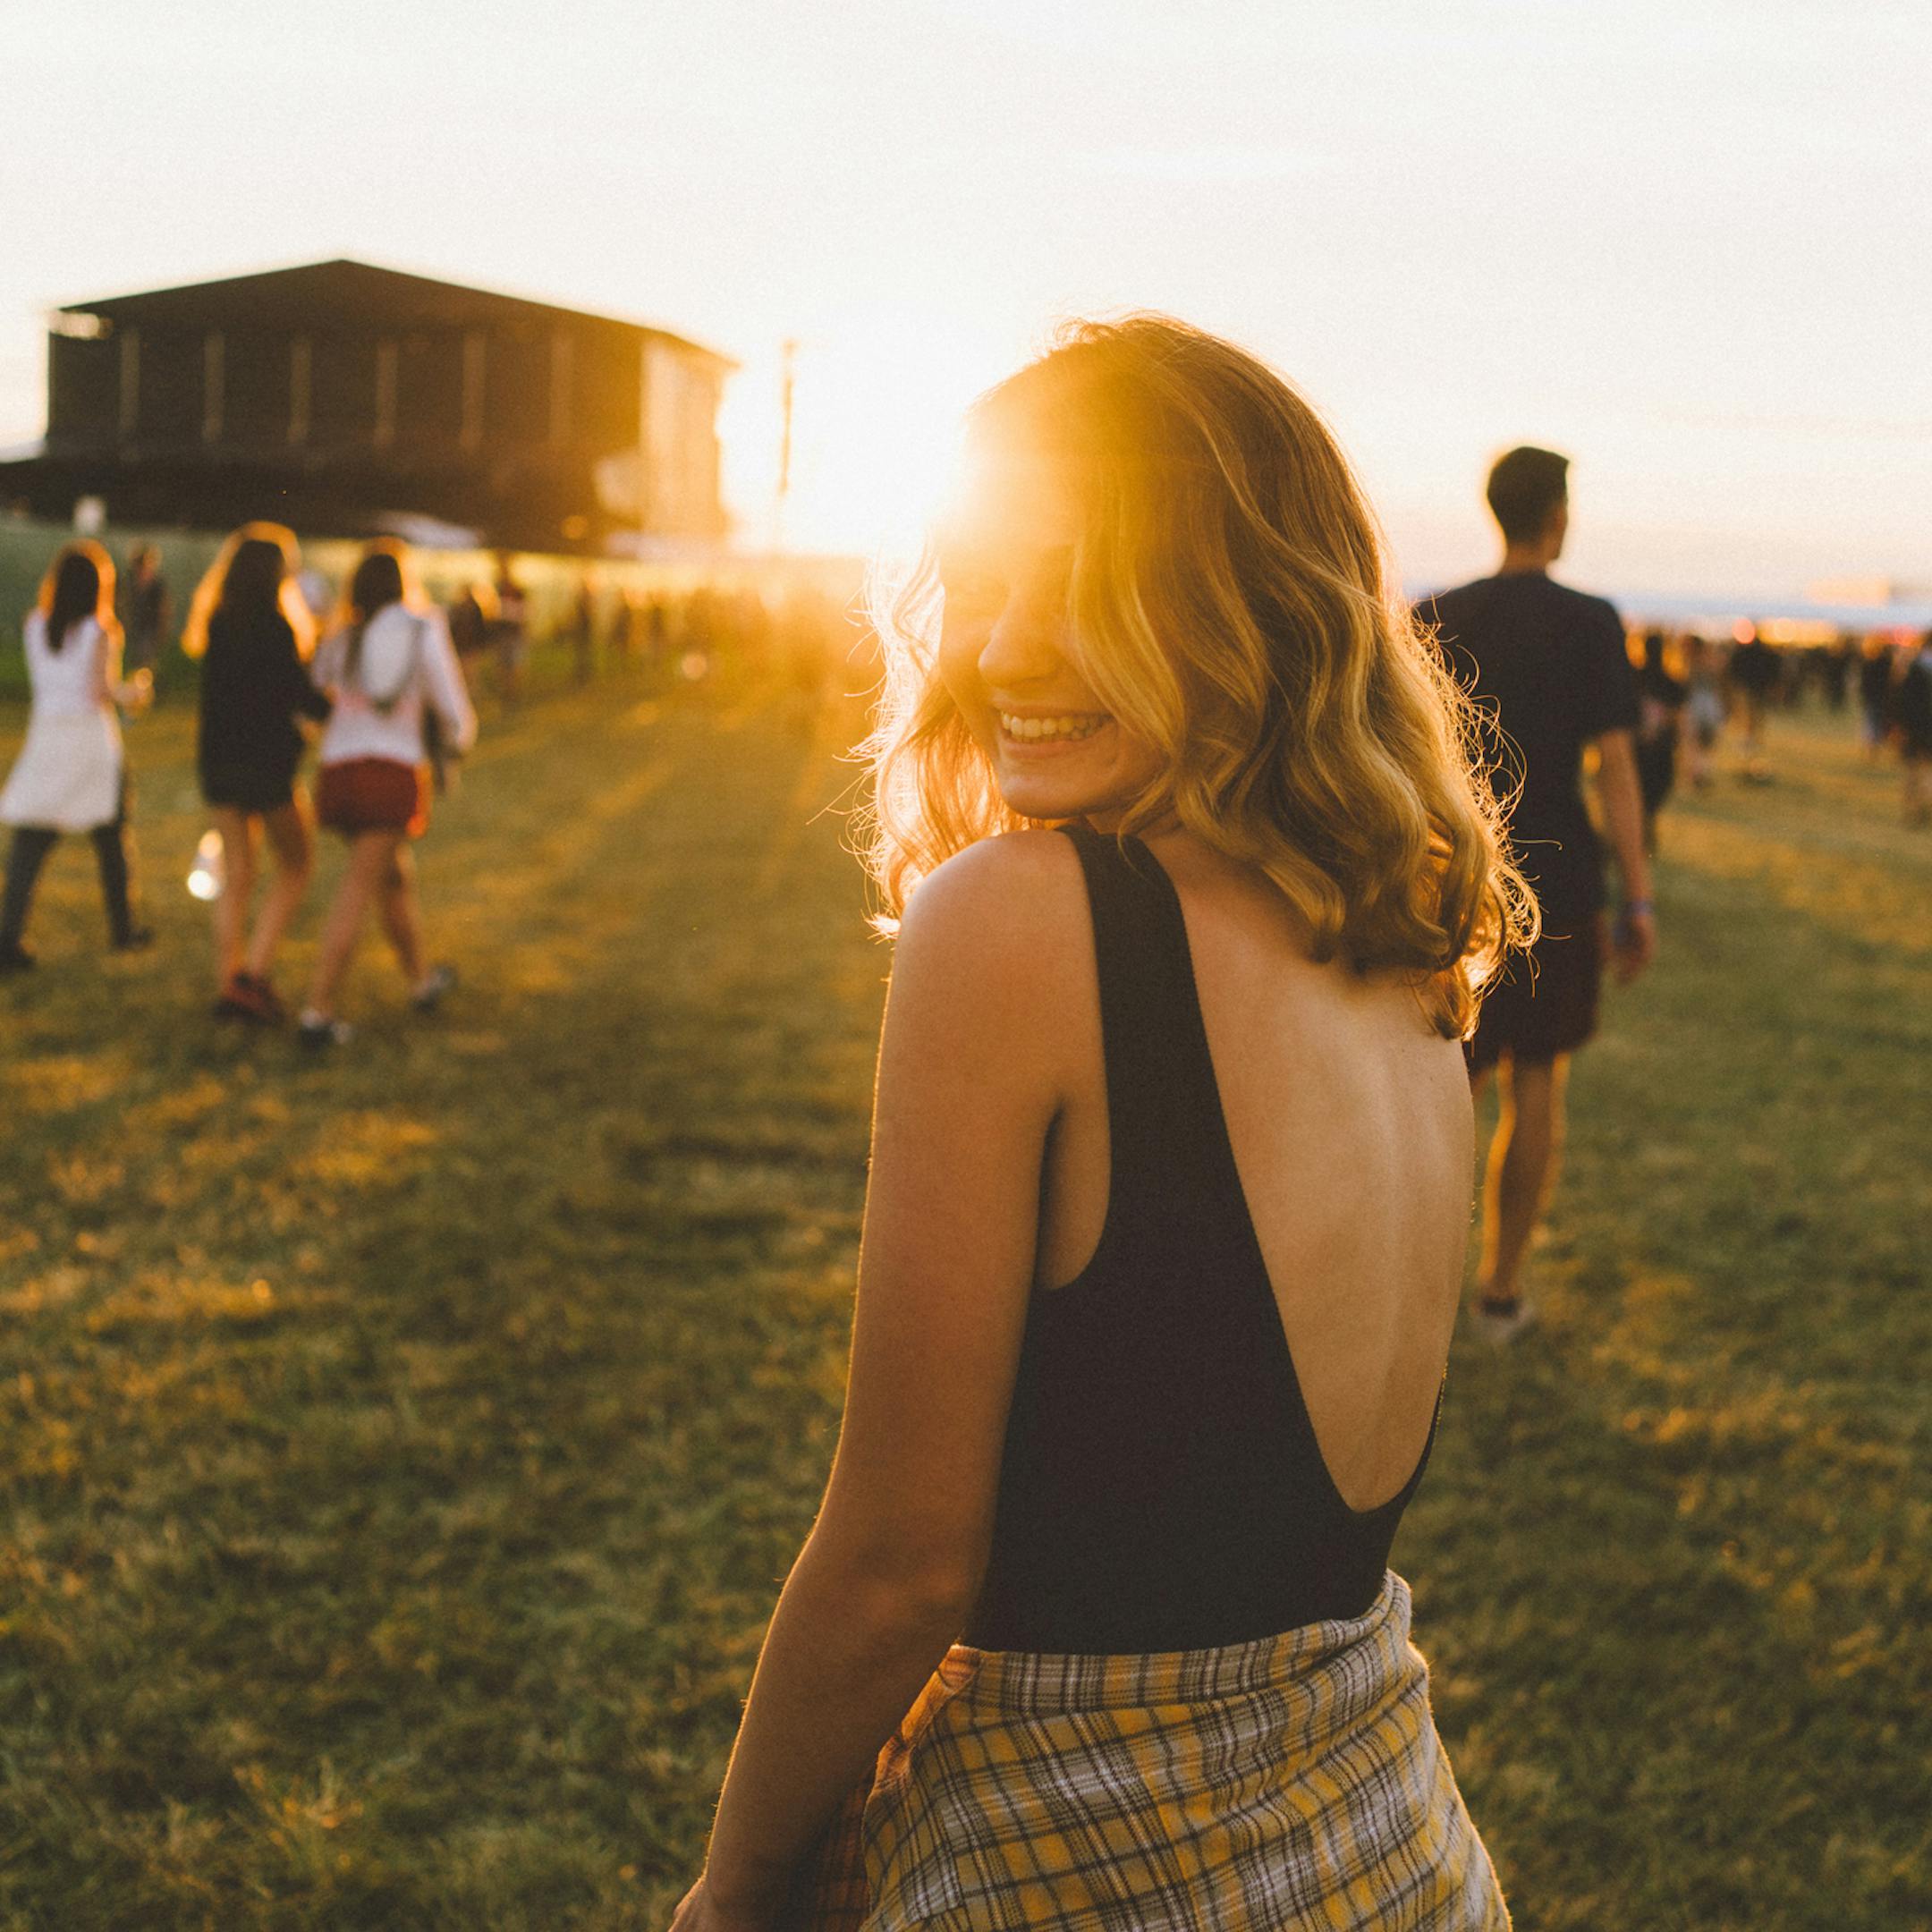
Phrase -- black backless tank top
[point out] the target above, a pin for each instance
(1162, 1488)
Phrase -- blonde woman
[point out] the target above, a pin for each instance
(252, 628)
(390, 668)
(71, 772)
(1169, 1194)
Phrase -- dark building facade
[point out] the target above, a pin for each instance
(347, 400)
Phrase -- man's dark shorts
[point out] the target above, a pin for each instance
(1544, 1004)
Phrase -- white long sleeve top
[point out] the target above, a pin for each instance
(407, 662)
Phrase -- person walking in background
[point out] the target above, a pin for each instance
(1168, 1195)
(252, 628)
(390, 670)
(1552, 677)
(511, 630)
(1875, 696)
(150, 607)
(1911, 716)
(71, 772)
(1703, 705)
(469, 622)
(1756, 672)
(1661, 695)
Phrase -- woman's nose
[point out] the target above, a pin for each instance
(1023, 645)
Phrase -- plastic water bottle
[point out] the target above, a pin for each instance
(205, 877)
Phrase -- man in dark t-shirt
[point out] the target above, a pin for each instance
(1551, 676)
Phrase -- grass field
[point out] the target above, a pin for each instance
(400, 1454)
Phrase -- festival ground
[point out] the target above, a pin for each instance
(399, 1453)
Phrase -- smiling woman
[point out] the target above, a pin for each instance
(1168, 1197)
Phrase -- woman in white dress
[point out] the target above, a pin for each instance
(72, 773)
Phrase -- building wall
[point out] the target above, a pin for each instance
(636, 417)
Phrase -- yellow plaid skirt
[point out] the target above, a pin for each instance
(1294, 1782)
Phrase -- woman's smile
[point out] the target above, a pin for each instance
(1034, 732)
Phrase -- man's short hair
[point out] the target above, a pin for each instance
(1525, 487)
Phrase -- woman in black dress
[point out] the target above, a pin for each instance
(252, 630)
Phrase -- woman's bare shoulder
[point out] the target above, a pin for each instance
(1010, 911)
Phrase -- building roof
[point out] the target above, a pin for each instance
(292, 297)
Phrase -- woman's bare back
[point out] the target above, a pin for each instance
(1350, 1124)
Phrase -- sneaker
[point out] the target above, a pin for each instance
(267, 1001)
(322, 1036)
(437, 981)
(248, 998)
(16, 958)
(1499, 1323)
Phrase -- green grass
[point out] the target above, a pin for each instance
(400, 1455)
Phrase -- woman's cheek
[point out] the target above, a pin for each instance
(959, 671)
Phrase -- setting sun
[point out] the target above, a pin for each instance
(877, 401)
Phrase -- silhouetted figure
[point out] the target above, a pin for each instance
(1661, 698)
(1875, 693)
(469, 619)
(1912, 718)
(1755, 675)
(250, 626)
(1839, 663)
(1553, 664)
(149, 610)
(71, 772)
(511, 634)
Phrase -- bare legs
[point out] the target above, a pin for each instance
(381, 873)
(237, 829)
(401, 917)
(1524, 1159)
(292, 843)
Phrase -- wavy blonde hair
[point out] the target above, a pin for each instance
(214, 590)
(1231, 605)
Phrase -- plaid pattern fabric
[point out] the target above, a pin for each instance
(1296, 1781)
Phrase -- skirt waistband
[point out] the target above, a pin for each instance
(1026, 1683)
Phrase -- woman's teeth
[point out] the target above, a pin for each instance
(1034, 730)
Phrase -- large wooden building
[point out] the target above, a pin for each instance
(346, 400)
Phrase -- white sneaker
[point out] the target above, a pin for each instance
(319, 1035)
(1499, 1327)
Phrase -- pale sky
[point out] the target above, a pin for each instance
(1683, 240)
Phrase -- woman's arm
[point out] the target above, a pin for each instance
(110, 687)
(298, 691)
(972, 1073)
(449, 698)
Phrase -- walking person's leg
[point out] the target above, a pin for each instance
(401, 918)
(1524, 1159)
(370, 856)
(402, 915)
(237, 833)
(113, 853)
(292, 844)
(26, 855)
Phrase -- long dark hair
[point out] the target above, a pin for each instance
(251, 578)
(79, 583)
(377, 583)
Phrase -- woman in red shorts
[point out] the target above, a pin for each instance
(388, 668)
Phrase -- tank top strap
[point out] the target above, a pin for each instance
(1163, 1114)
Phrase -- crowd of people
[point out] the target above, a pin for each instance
(1693, 688)
(382, 692)
(377, 680)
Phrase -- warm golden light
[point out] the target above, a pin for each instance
(875, 419)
